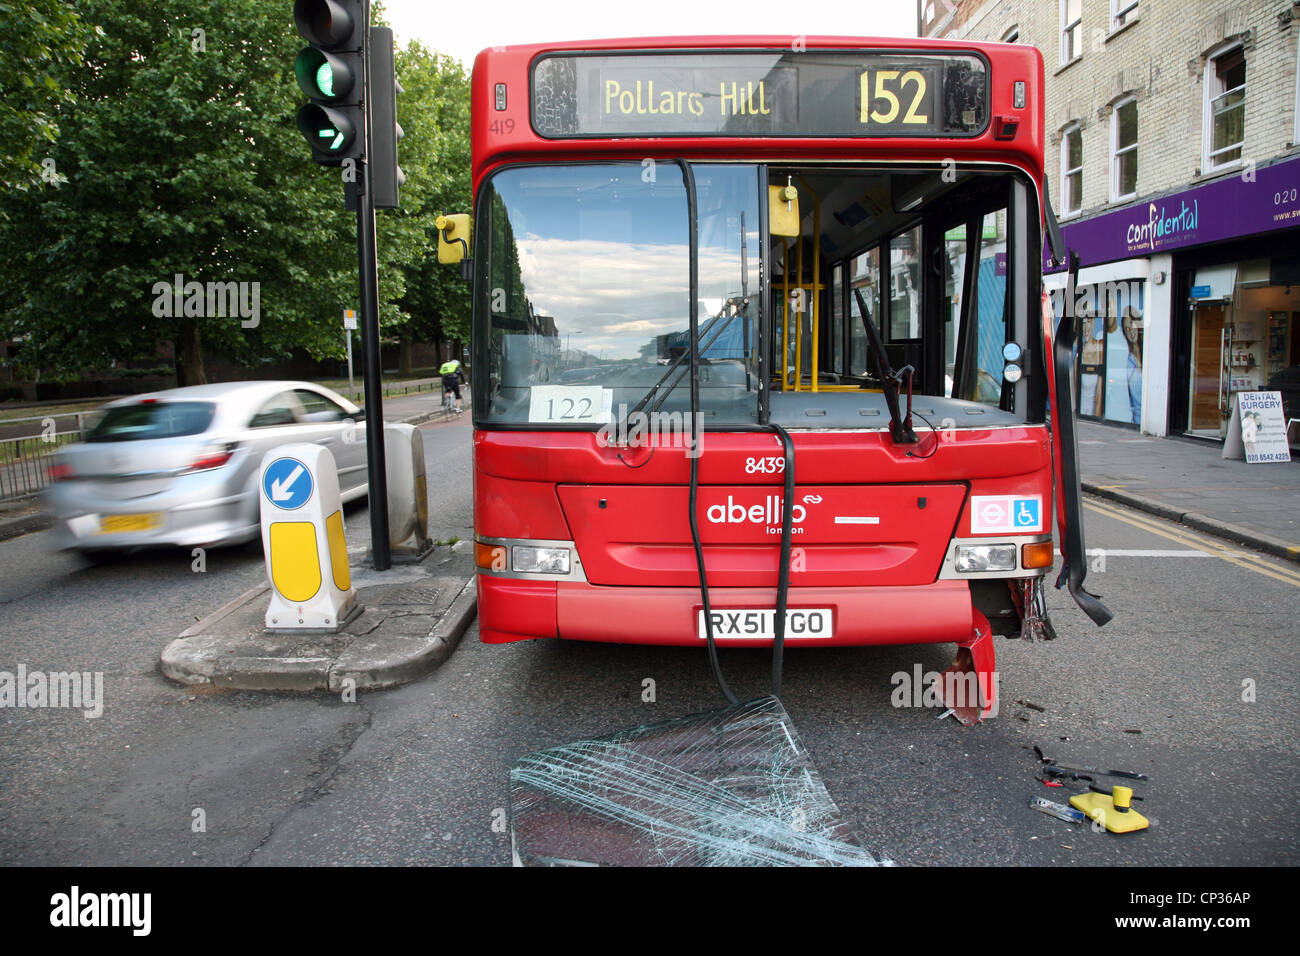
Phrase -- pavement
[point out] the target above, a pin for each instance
(1189, 481)
(412, 617)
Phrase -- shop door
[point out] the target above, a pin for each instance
(1206, 374)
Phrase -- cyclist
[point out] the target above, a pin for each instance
(452, 377)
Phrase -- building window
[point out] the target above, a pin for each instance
(1071, 30)
(1072, 171)
(1122, 13)
(1123, 150)
(1225, 107)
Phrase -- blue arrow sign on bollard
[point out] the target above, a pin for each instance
(287, 483)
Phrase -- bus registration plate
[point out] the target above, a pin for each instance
(760, 624)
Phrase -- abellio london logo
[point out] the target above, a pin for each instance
(768, 513)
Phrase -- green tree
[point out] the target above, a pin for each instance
(41, 39)
(184, 159)
(436, 158)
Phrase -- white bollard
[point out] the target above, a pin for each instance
(303, 540)
(408, 492)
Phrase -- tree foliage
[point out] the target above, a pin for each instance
(41, 38)
(179, 155)
(435, 154)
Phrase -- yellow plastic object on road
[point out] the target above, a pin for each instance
(1115, 813)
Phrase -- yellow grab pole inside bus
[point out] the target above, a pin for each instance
(816, 279)
(798, 329)
(785, 328)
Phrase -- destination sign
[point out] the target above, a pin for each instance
(768, 93)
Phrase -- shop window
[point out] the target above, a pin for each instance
(992, 309)
(1123, 150)
(1111, 329)
(1225, 108)
(905, 285)
(1124, 333)
(865, 276)
(955, 247)
(1071, 171)
(1071, 30)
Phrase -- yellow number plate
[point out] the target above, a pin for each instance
(115, 524)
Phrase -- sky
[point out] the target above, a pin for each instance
(462, 29)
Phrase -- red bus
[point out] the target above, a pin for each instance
(759, 345)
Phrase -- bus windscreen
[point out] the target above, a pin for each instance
(770, 93)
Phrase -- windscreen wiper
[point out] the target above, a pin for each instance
(676, 367)
(900, 429)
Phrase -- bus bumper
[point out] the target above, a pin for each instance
(513, 609)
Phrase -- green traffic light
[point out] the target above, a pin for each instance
(328, 131)
(323, 76)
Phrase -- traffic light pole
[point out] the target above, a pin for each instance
(371, 369)
(339, 125)
(371, 381)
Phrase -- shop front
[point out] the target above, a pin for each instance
(1239, 332)
(1187, 299)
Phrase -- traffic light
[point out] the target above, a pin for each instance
(331, 72)
(385, 131)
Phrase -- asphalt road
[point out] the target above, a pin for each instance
(419, 774)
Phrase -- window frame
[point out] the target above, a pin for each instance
(1117, 151)
(1119, 13)
(1065, 29)
(1209, 78)
(1295, 133)
(1067, 171)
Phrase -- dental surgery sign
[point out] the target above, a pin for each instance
(813, 93)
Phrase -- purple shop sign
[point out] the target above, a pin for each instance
(1254, 200)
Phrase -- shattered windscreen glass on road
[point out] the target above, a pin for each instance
(733, 787)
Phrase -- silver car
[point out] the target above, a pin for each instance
(180, 467)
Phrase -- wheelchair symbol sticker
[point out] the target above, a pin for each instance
(1026, 513)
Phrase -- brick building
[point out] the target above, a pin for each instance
(1173, 165)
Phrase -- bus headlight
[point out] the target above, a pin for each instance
(986, 557)
(540, 560)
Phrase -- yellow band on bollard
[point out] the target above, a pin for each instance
(295, 566)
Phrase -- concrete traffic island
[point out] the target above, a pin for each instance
(412, 618)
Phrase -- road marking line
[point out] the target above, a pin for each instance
(1220, 550)
(1240, 558)
(1147, 553)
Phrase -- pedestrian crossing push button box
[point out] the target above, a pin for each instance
(303, 540)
